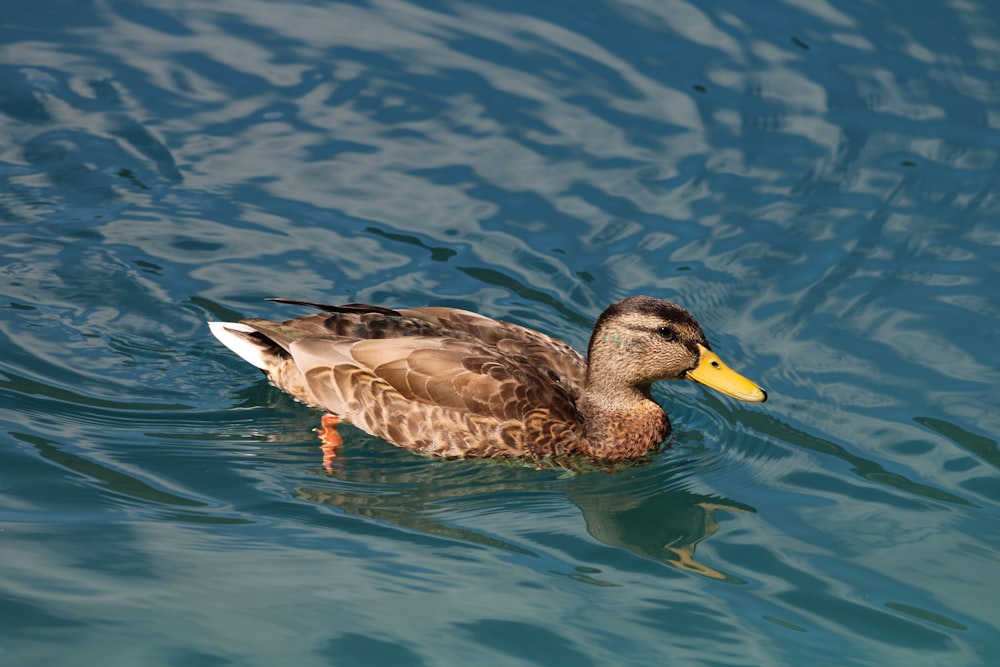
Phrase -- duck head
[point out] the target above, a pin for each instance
(640, 340)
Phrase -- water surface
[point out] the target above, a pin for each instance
(817, 182)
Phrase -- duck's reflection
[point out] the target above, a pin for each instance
(665, 527)
(645, 510)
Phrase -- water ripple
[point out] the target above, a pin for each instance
(816, 182)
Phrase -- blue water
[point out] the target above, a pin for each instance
(818, 182)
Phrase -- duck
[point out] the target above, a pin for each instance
(453, 383)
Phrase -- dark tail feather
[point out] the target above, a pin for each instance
(359, 308)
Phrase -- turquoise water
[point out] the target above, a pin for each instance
(818, 182)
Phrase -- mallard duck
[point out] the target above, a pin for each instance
(457, 384)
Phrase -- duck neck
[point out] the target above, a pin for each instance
(620, 421)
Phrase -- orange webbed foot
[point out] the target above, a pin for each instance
(329, 438)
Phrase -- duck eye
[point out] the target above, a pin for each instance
(668, 333)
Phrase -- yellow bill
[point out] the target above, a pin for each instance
(711, 372)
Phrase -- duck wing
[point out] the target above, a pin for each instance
(497, 382)
(558, 361)
(537, 348)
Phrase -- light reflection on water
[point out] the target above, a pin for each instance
(816, 183)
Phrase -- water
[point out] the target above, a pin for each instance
(818, 183)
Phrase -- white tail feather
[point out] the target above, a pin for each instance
(238, 344)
